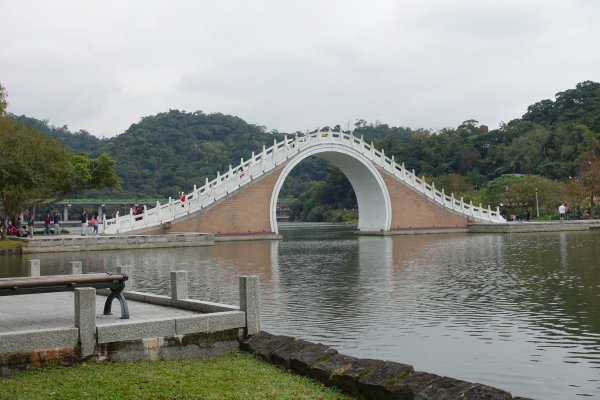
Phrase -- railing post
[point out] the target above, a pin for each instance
(462, 204)
(471, 206)
(117, 223)
(158, 211)
(250, 303)
(75, 268)
(33, 268)
(179, 288)
(85, 319)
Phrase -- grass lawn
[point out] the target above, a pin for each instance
(233, 376)
(9, 244)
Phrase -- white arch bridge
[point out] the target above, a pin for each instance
(243, 200)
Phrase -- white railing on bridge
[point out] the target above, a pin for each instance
(265, 161)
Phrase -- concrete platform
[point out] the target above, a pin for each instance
(531, 226)
(55, 310)
(67, 243)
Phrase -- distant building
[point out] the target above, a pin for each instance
(283, 211)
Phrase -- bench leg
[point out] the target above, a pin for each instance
(117, 294)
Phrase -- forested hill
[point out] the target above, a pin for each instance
(169, 152)
(81, 141)
(172, 151)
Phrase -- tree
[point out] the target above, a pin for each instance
(34, 168)
(589, 179)
(3, 102)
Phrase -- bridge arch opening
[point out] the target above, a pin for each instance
(372, 196)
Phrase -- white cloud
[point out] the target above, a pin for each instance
(102, 65)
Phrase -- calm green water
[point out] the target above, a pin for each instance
(520, 312)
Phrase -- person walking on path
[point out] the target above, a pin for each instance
(561, 212)
(83, 222)
(95, 222)
(56, 220)
(30, 223)
(47, 224)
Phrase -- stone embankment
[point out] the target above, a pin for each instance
(372, 379)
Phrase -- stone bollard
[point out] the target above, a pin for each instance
(250, 303)
(34, 268)
(179, 289)
(85, 319)
(76, 267)
(126, 269)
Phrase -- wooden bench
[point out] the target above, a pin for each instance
(64, 283)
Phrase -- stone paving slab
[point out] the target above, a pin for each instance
(57, 310)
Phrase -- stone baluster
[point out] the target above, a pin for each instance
(179, 287)
(471, 206)
(158, 211)
(33, 268)
(85, 319)
(75, 268)
(462, 204)
(117, 222)
(250, 303)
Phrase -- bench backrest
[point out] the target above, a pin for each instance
(68, 281)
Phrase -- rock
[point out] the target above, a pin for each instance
(483, 392)
(407, 388)
(443, 389)
(322, 370)
(347, 378)
(302, 359)
(264, 343)
(373, 384)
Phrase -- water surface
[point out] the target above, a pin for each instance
(516, 311)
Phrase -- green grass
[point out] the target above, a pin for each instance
(9, 244)
(233, 376)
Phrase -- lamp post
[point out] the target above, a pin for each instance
(537, 204)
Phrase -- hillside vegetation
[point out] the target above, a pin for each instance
(554, 148)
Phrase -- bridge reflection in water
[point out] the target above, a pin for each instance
(519, 312)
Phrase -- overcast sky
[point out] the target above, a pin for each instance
(293, 65)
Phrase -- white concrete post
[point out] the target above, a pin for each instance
(34, 268)
(179, 289)
(158, 211)
(250, 303)
(85, 319)
(75, 268)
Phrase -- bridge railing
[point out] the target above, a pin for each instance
(263, 162)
